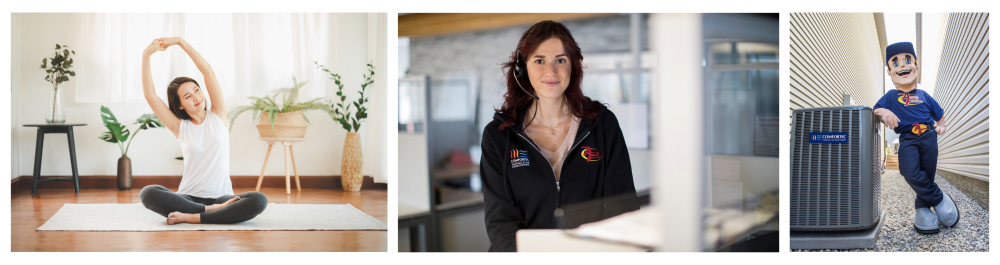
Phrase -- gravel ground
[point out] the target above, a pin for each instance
(971, 234)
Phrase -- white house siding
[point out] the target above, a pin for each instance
(961, 86)
(833, 54)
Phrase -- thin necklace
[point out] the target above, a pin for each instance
(552, 130)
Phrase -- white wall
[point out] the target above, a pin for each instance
(413, 172)
(153, 151)
(15, 81)
(679, 154)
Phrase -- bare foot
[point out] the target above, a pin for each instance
(219, 206)
(179, 217)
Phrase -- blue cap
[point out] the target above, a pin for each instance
(897, 48)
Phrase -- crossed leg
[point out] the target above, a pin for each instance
(180, 208)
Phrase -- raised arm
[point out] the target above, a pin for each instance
(211, 82)
(159, 108)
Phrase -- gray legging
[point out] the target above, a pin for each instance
(163, 201)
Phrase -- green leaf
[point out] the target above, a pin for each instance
(65, 52)
(58, 47)
(107, 137)
(148, 121)
(356, 126)
(114, 127)
(45, 61)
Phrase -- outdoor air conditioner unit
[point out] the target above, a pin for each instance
(835, 174)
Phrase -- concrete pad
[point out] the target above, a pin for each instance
(836, 240)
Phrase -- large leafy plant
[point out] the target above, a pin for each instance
(269, 105)
(118, 133)
(342, 110)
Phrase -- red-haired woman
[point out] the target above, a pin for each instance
(549, 145)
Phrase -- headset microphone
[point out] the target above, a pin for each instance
(520, 69)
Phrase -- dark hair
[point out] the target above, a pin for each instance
(174, 100)
(515, 99)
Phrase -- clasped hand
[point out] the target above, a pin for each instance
(161, 44)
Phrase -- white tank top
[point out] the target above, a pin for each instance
(206, 158)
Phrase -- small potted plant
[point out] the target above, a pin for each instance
(351, 161)
(282, 121)
(118, 134)
(56, 72)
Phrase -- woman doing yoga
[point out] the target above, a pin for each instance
(205, 194)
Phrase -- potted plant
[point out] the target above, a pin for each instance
(118, 134)
(282, 121)
(351, 161)
(56, 72)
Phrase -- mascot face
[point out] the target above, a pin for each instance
(903, 69)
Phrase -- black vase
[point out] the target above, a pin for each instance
(124, 173)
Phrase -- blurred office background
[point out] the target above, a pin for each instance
(696, 96)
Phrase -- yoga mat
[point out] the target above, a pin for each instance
(135, 217)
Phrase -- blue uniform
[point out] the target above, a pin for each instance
(918, 148)
(911, 108)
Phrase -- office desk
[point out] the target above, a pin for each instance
(417, 220)
(556, 240)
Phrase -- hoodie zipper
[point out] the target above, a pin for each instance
(558, 187)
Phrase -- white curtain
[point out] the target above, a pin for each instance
(252, 54)
(377, 142)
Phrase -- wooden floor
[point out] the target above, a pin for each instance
(31, 211)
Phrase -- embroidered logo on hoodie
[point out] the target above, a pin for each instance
(519, 158)
(590, 154)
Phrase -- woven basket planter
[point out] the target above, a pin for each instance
(350, 166)
(286, 125)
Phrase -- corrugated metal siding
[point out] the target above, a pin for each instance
(833, 54)
(963, 90)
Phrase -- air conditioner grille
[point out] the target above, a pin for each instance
(826, 188)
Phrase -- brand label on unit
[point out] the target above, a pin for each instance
(828, 138)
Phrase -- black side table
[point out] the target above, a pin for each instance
(66, 128)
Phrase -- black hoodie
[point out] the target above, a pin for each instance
(520, 188)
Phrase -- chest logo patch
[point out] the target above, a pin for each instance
(906, 99)
(519, 158)
(590, 154)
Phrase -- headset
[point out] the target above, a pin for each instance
(521, 68)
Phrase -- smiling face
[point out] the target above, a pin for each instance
(549, 69)
(192, 98)
(902, 68)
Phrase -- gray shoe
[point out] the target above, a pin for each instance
(925, 221)
(947, 212)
